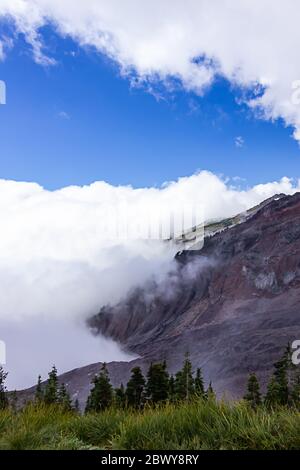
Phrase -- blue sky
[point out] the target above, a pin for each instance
(80, 121)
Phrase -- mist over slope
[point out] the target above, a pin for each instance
(58, 267)
(234, 306)
(237, 311)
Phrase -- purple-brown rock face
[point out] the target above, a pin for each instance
(233, 306)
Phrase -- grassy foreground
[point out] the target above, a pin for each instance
(194, 426)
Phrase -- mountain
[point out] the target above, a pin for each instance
(233, 305)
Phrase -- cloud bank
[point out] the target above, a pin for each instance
(54, 259)
(57, 268)
(251, 43)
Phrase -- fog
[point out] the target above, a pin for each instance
(57, 268)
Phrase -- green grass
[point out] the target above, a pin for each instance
(194, 426)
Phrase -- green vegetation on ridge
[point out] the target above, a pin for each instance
(159, 412)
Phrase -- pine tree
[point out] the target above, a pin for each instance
(51, 393)
(210, 393)
(63, 398)
(135, 388)
(282, 379)
(120, 397)
(172, 393)
(272, 397)
(39, 394)
(199, 384)
(101, 395)
(184, 382)
(279, 392)
(157, 388)
(253, 395)
(3, 394)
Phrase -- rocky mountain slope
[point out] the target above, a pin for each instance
(234, 305)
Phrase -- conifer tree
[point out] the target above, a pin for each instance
(101, 395)
(172, 394)
(157, 388)
(184, 382)
(273, 393)
(279, 391)
(39, 394)
(210, 393)
(120, 397)
(50, 396)
(282, 379)
(63, 398)
(199, 384)
(135, 388)
(3, 393)
(253, 395)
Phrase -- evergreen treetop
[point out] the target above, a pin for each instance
(63, 398)
(184, 381)
(101, 395)
(39, 393)
(135, 388)
(120, 397)
(253, 395)
(157, 388)
(199, 383)
(51, 393)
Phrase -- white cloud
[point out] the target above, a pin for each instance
(5, 45)
(251, 43)
(239, 142)
(54, 259)
(64, 115)
(57, 268)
